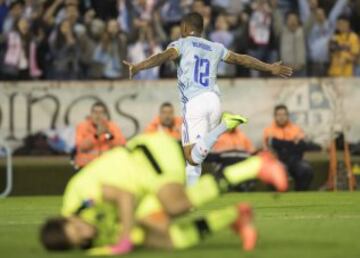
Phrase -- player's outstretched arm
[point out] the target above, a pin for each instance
(253, 63)
(155, 60)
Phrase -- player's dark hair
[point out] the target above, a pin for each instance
(195, 20)
(281, 107)
(166, 104)
(98, 104)
(52, 235)
(102, 105)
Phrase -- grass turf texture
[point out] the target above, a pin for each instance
(319, 225)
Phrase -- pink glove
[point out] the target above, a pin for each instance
(124, 246)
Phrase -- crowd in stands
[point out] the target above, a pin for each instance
(88, 39)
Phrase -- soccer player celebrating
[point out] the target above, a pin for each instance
(198, 60)
(135, 185)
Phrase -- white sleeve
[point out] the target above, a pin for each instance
(177, 45)
(224, 52)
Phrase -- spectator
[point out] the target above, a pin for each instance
(234, 140)
(228, 5)
(144, 47)
(49, 15)
(111, 51)
(14, 13)
(40, 33)
(30, 7)
(278, 19)
(344, 50)
(144, 27)
(319, 30)
(94, 32)
(292, 45)
(71, 12)
(96, 29)
(20, 61)
(96, 135)
(89, 41)
(144, 8)
(61, 10)
(260, 32)
(134, 15)
(166, 122)
(307, 10)
(169, 69)
(4, 9)
(88, 68)
(88, 18)
(224, 36)
(238, 25)
(171, 12)
(65, 52)
(287, 141)
(200, 6)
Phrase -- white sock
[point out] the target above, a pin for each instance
(193, 174)
(202, 148)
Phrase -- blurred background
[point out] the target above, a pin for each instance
(63, 84)
(88, 39)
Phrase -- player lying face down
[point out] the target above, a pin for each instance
(157, 230)
(95, 223)
(114, 186)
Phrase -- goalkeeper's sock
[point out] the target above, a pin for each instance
(203, 146)
(264, 167)
(210, 187)
(204, 191)
(188, 234)
(243, 171)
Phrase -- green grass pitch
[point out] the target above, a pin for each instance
(316, 225)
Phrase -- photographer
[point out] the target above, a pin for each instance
(96, 135)
(344, 48)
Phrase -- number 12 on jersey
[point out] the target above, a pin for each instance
(201, 71)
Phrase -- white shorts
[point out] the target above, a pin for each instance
(200, 115)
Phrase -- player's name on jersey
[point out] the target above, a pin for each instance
(201, 45)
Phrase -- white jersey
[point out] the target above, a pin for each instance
(197, 67)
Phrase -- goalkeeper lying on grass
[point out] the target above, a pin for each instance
(128, 197)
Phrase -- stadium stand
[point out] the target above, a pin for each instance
(75, 39)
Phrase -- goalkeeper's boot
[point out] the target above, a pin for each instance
(245, 228)
(232, 121)
(273, 172)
